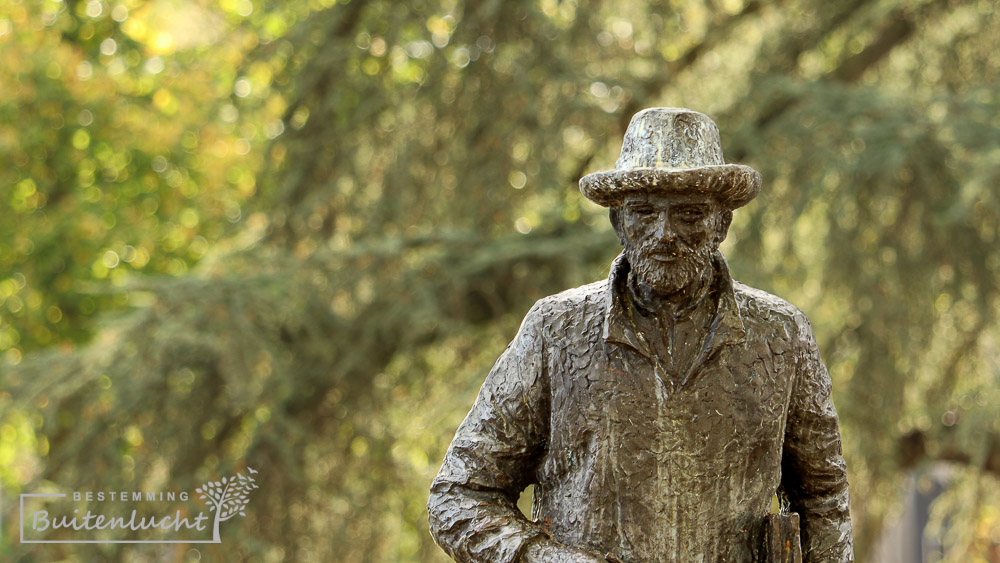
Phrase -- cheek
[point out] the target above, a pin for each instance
(637, 231)
(697, 235)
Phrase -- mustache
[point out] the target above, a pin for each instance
(675, 249)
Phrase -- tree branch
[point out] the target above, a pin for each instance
(912, 449)
(892, 34)
(900, 25)
(659, 81)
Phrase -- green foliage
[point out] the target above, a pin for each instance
(327, 303)
(123, 151)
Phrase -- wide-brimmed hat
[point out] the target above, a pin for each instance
(673, 150)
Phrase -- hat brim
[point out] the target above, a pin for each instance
(733, 185)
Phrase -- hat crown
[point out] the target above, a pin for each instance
(670, 138)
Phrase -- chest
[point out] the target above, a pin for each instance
(731, 402)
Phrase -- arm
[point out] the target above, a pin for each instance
(814, 474)
(472, 508)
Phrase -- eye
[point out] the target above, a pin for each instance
(692, 214)
(642, 210)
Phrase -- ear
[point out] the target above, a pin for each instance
(725, 218)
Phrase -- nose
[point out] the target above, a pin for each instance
(664, 230)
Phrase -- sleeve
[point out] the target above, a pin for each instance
(814, 474)
(472, 508)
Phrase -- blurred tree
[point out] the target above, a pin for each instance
(421, 193)
(123, 150)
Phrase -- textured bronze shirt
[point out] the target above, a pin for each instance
(634, 460)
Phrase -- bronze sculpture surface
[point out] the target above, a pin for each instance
(658, 411)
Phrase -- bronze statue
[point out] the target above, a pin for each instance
(658, 411)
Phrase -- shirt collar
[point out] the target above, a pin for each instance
(620, 328)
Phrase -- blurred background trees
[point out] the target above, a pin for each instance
(295, 235)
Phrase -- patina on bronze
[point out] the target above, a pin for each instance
(658, 411)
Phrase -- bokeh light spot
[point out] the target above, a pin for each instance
(109, 47)
(94, 9)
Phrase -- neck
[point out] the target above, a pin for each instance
(674, 303)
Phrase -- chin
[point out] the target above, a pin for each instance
(667, 279)
(666, 282)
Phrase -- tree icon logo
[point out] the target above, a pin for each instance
(228, 497)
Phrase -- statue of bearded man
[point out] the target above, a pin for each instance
(659, 411)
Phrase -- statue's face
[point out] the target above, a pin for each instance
(669, 238)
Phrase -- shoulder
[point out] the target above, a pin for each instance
(759, 303)
(763, 310)
(570, 310)
(573, 300)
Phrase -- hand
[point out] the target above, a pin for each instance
(548, 551)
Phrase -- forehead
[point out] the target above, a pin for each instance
(668, 199)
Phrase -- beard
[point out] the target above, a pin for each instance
(686, 266)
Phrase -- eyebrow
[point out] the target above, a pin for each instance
(634, 204)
